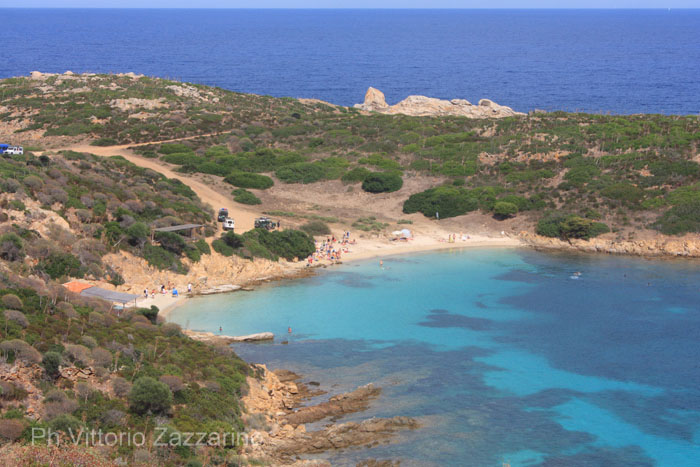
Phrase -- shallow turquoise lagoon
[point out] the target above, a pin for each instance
(500, 353)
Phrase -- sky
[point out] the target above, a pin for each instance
(350, 3)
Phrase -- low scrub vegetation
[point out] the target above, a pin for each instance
(288, 244)
(145, 376)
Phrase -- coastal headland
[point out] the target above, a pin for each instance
(114, 165)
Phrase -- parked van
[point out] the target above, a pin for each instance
(10, 150)
(228, 224)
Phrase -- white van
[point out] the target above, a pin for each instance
(228, 224)
(14, 150)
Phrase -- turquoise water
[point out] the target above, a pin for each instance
(500, 353)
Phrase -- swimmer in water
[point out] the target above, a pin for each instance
(289, 329)
(381, 263)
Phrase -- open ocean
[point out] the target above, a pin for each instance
(619, 61)
(502, 356)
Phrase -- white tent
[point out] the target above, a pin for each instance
(403, 233)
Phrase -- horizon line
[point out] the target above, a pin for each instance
(345, 8)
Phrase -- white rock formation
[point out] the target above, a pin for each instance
(421, 106)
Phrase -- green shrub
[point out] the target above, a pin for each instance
(316, 228)
(288, 244)
(680, 219)
(104, 142)
(624, 192)
(570, 226)
(355, 175)
(333, 167)
(67, 424)
(301, 172)
(380, 162)
(148, 395)
(222, 248)
(51, 362)
(138, 234)
(183, 158)
(172, 148)
(202, 246)
(504, 210)
(233, 239)
(193, 253)
(172, 242)
(249, 180)
(382, 182)
(447, 201)
(243, 196)
(228, 244)
(11, 247)
(668, 168)
(62, 264)
(582, 174)
(160, 258)
(369, 224)
(150, 313)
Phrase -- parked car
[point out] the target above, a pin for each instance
(264, 223)
(223, 214)
(228, 224)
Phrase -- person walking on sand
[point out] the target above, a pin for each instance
(437, 215)
(189, 288)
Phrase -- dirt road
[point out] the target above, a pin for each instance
(244, 218)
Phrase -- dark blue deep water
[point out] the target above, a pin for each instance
(622, 61)
(502, 356)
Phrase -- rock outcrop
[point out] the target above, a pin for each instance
(421, 106)
(661, 246)
(276, 397)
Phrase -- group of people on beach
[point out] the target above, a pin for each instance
(331, 248)
(163, 290)
(452, 238)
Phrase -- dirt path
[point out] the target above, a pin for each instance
(244, 218)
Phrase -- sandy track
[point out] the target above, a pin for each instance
(244, 218)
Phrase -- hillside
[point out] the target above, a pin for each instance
(560, 174)
(109, 158)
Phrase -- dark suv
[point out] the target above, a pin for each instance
(223, 214)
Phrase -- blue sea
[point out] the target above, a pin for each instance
(501, 354)
(619, 61)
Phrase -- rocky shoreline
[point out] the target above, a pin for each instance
(276, 420)
(660, 247)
